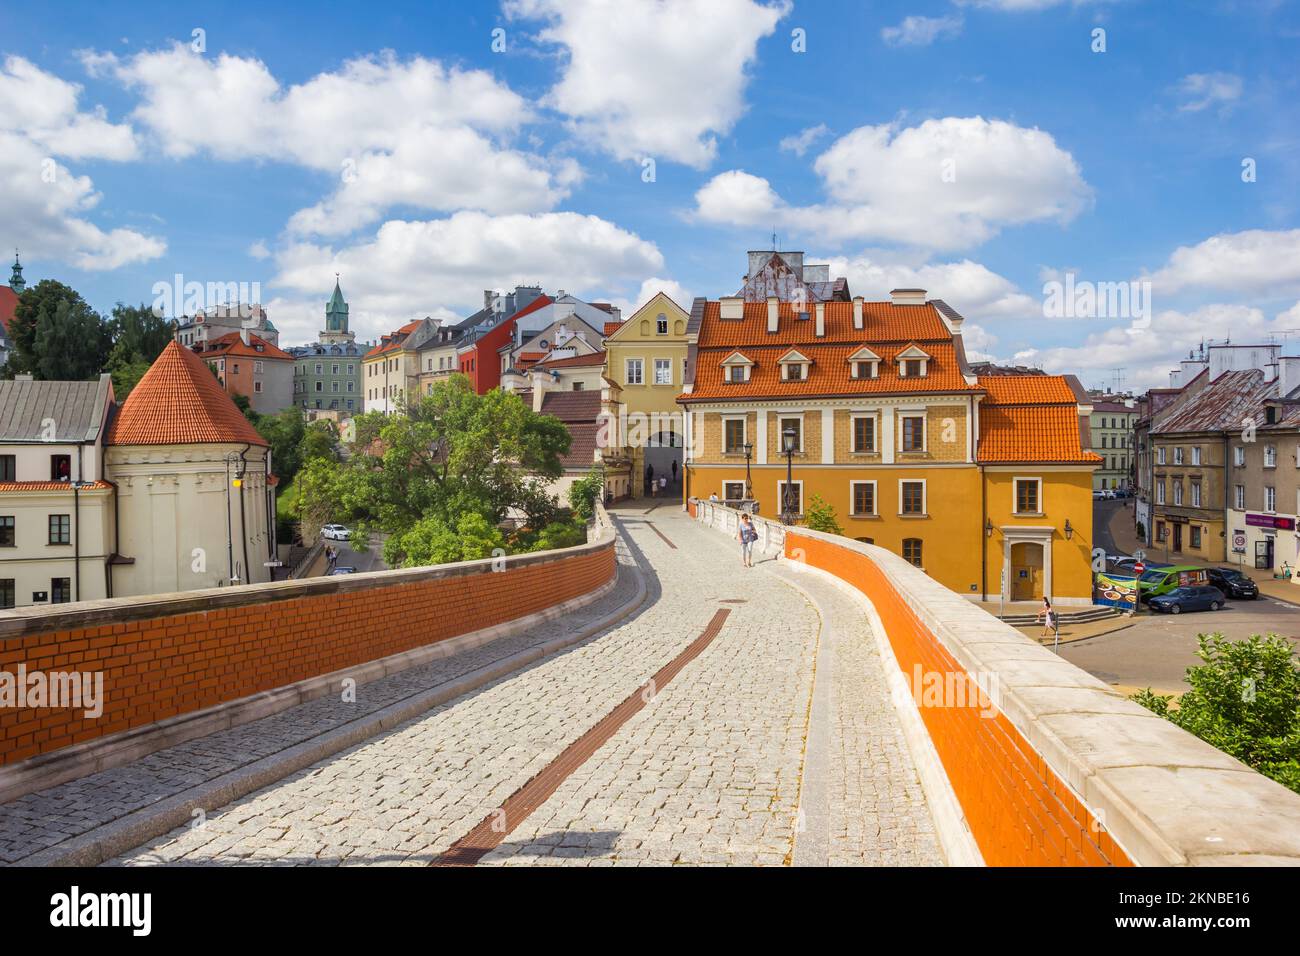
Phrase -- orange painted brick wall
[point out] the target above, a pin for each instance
(1019, 811)
(161, 667)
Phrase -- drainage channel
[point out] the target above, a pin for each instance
(501, 822)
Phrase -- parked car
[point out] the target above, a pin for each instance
(343, 569)
(335, 532)
(1233, 583)
(1201, 597)
(1161, 579)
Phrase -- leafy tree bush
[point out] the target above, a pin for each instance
(1245, 700)
(433, 541)
(821, 516)
(585, 492)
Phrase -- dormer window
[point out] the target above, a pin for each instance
(661, 324)
(864, 363)
(736, 368)
(913, 362)
(794, 366)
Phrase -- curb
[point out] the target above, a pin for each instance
(126, 833)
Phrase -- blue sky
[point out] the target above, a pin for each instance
(976, 148)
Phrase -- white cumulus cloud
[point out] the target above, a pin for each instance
(921, 31)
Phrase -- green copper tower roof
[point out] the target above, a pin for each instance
(336, 312)
(16, 281)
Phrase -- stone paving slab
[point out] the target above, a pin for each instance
(43, 820)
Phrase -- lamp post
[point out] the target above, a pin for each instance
(789, 438)
(748, 448)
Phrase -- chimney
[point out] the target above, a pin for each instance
(821, 320)
(540, 380)
(772, 307)
(857, 311)
(731, 307)
(243, 334)
(907, 296)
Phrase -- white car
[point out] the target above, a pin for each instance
(335, 532)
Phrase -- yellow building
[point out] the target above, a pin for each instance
(981, 481)
(646, 358)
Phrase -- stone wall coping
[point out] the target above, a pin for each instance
(44, 619)
(1165, 796)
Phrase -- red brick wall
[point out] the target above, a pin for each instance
(164, 666)
(1019, 811)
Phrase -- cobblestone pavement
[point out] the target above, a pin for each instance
(710, 771)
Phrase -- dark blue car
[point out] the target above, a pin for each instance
(1200, 597)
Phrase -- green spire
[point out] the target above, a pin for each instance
(16, 281)
(336, 313)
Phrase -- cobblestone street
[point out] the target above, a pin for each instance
(713, 769)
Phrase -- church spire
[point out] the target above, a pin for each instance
(16, 281)
(336, 317)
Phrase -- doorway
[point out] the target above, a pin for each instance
(1178, 537)
(1026, 571)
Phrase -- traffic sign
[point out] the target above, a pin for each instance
(1139, 568)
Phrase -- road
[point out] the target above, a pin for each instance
(717, 753)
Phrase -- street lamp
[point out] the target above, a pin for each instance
(789, 438)
(1069, 532)
(748, 449)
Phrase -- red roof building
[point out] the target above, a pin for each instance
(479, 359)
(248, 365)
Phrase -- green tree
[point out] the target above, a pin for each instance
(319, 439)
(126, 377)
(432, 541)
(139, 335)
(821, 516)
(57, 336)
(585, 492)
(283, 432)
(42, 298)
(244, 405)
(1245, 700)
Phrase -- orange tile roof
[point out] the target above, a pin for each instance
(180, 402)
(1031, 433)
(575, 361)
(10, 486)
(881, 321)
(232, 344)
(393, 340)
(1026, 390)
(828, 375)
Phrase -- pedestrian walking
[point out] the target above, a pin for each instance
(649, 479)
(663, 485)
(747, 535)
(1047, 614)
(331, 558)
(674, 471)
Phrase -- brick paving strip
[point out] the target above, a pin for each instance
(86, 821)
(497, 825)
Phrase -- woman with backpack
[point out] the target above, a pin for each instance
(747, 535)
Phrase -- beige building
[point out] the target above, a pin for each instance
(1264, 492)
(56, 511)
(1112, 439)
(391, 371)
(646, 358)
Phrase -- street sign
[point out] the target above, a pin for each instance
(1139, 568)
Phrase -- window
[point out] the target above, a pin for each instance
(350, 385)
(60, 529)
(913, 368)
(259, 367)
(8, 533)
(319, 368)
(60, 590)
(334, 387)
(661, 324)
(794, 503)
(864, 434)
(913, 432)
(1178, 455)
(7, 593)
(1270, 498)
(797, 425)
(634, 372)
(1196, 535)
(320, 386)
(864, 369)
(1178, 492)
(663, 371)
(733, 436)
(863, 497)
(351, 368)
(334, 369)
(912, 551)
(257, 387)
(1270, 456)
(60, 467)
(1160, 492)
(1160, 455)
(1196, 455)
(1028, 493)
(793, 371)
(733, 490)
(1196, 494)
(911, 497)
(1239, 497)
(737, 373)
(8, 468)
(578, 386)
(1239, 456)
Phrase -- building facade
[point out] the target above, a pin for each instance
(8, 303)
(1112, 426)
(985, 483)
(246, 364)
(224, 320)
(390, 371)
(327, 374)
(646, 357)
(56, 509)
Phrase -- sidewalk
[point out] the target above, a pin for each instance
(1126, 539)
